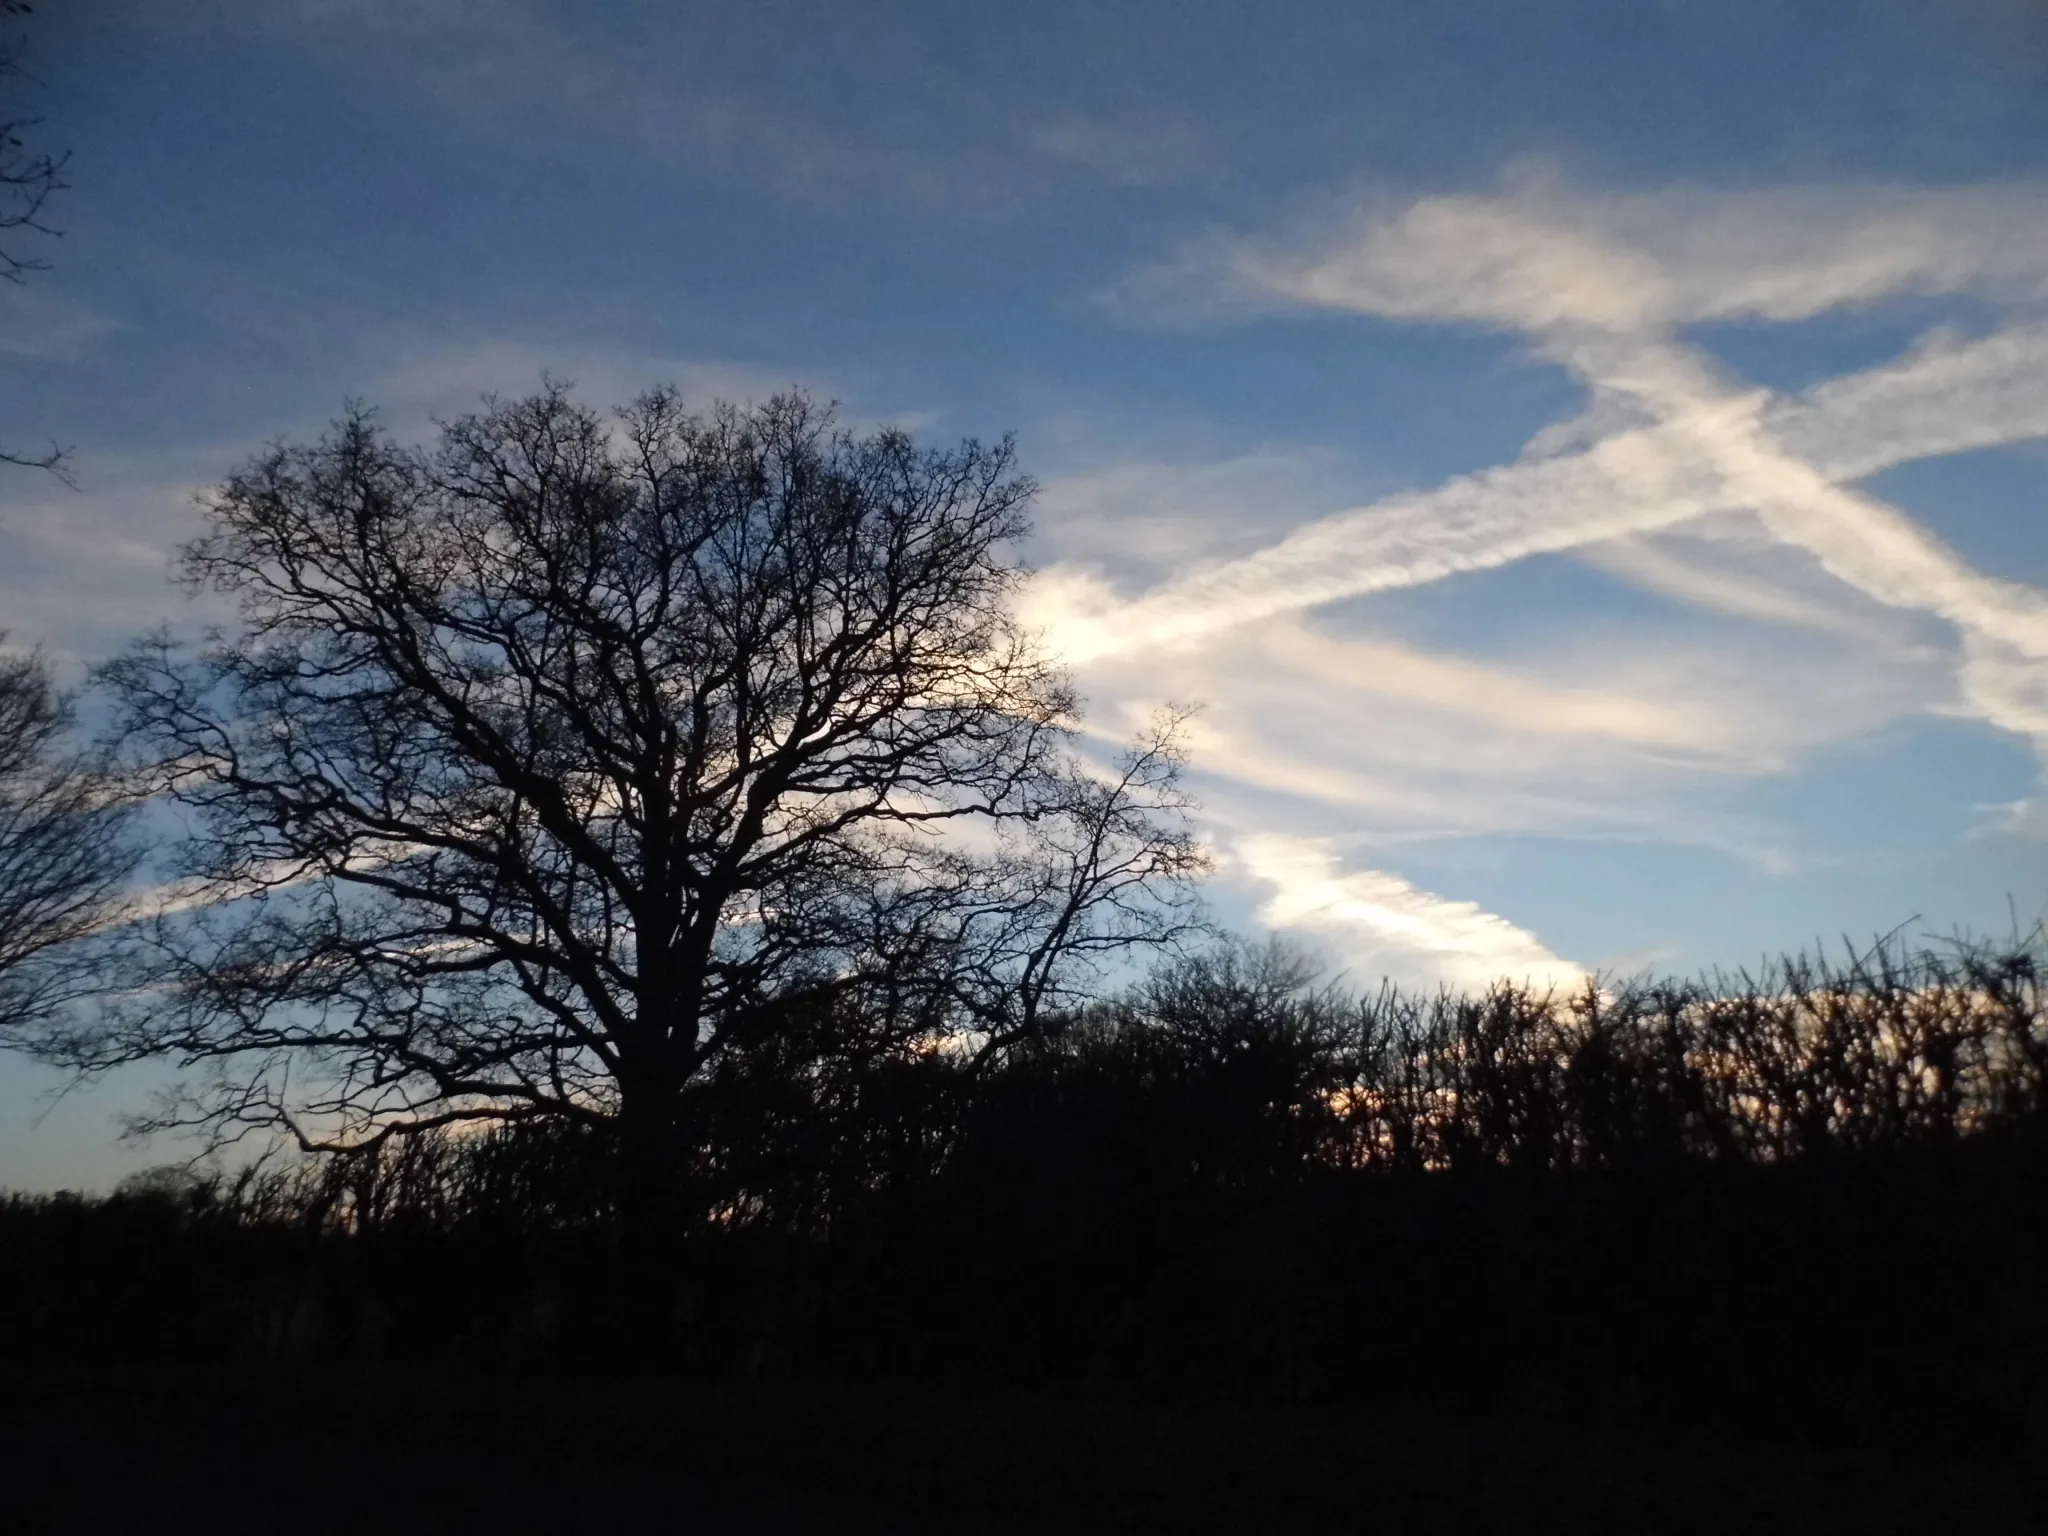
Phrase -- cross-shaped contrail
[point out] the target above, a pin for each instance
(1710, 446)
(1672, 437)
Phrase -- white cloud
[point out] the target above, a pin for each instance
(1947, 395)
(1539, 256)
(1515, 702)
(1650, 740)
(2018, 818)
(1741, 503)
(1598, 283)
(1630, 483)
(1386, 925)
(1730, 563)
(1142, 517)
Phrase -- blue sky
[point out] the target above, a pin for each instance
(1587, 458)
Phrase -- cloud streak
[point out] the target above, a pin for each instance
(1670, 445)
(1948, 395)
(1539, 257)
(1634, 482)
(1598, 285)
(1387, 925)
(1712, 451)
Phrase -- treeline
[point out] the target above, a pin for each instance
(1805, 1202)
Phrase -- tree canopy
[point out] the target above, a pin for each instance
(543, 765)
(64, 857)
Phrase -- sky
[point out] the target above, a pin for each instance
(1586, 460)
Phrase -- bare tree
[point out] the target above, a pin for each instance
(1108, 874)
(28, 179)
(64, 858)
(541, 762)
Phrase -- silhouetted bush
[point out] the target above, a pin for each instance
(1805, 1202)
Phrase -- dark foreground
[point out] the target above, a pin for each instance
(1232, 1256)
(369, 1451)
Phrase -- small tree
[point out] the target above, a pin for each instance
(64, 857)
(542, 766)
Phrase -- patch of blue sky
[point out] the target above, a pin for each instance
(1926, 783)
(1991, 505)
(1509, 610)
(55, 1135)
(1838, 834)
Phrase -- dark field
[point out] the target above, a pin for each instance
(361, 1450)
(1219, 1261)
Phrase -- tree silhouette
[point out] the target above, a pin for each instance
(64, 858)
(29, 178)
(544, 770)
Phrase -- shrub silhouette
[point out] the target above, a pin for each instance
(1801, 1202)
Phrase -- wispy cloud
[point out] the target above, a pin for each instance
(1949, 394)
(42, 323)
(1730, 563)
(1386, 926)
(808, 110)
(1144, 517)
(1711, 451)
(84, 570)
(1646, 741)
(414, 377)
(1599, 284)
(1123, 151)
(2018, 818)
(1632, 483)
(1678, 475)
(1539, 256)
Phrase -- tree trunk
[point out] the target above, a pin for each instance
(654, 1221)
